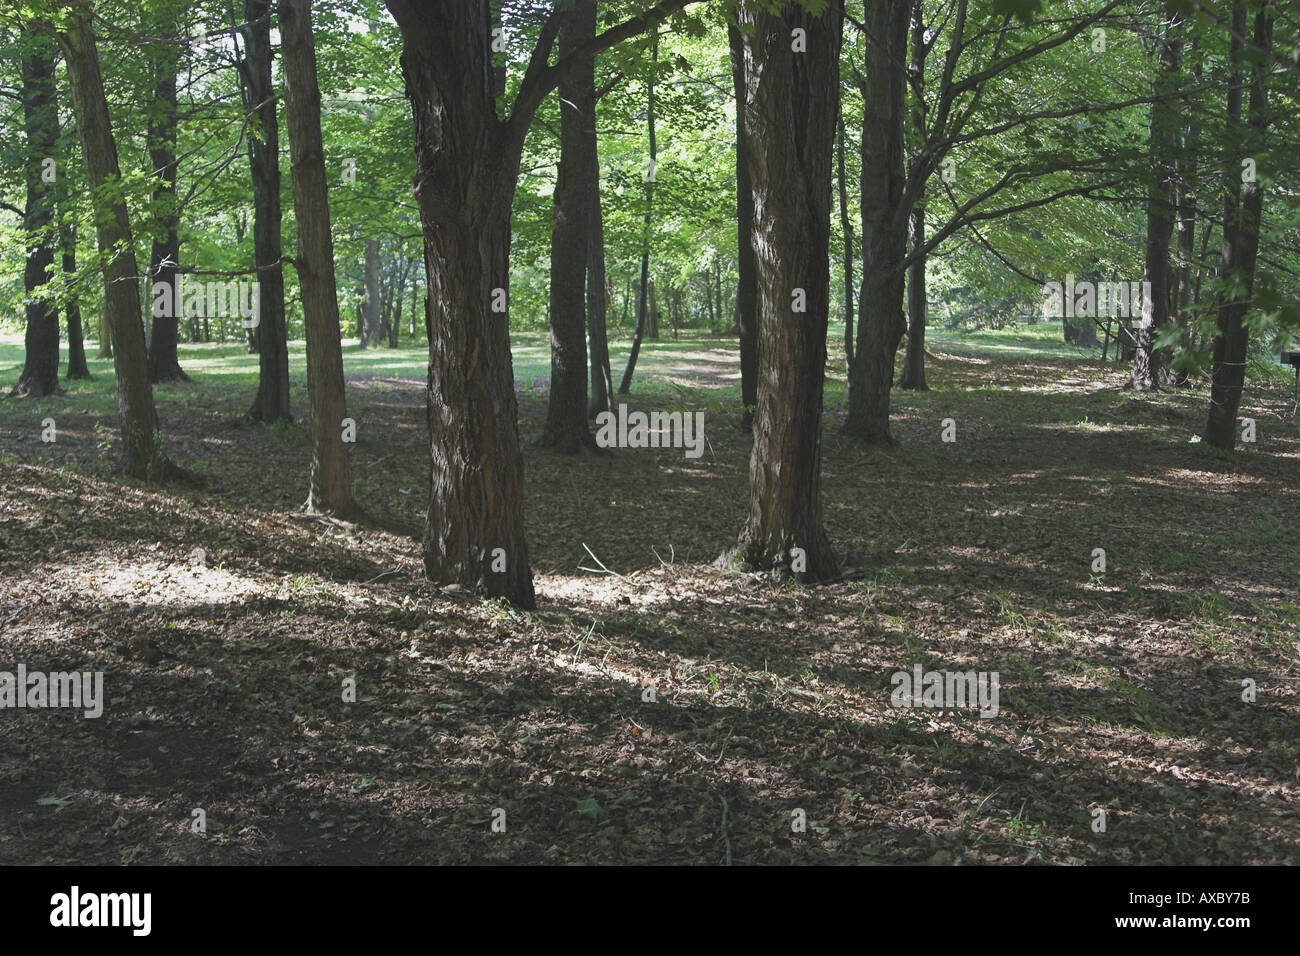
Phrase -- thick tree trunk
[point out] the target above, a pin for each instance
(330, 486)
(791, 105)
(164, 256)
(884, 224)
(40, 375)
(467, 165)
(370, 331)
(142, 456)
(77, 367)
(1240, 232)
(566, 427)
(747, 284)
(272, 401)
(1163, 144)
(643, 318)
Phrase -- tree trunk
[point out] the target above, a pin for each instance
(272, 401)
(913, 376)
(40, 375)
(77, 367)
(166, 247)
(884, 224)
(846, 227)
(467, 168)
(329, 486)
(370, 303)
(1187, 193)
(791, 105)
(1240, 231)
(566, 428)
(1163, 144)
(642, 317)
(747, 285)
(142, 456)
(598, 290)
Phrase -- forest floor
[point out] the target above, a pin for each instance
(1120, 691)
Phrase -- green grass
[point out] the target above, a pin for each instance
(231, 364)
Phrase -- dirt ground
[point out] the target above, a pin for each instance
(482, 734)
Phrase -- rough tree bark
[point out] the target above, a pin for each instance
(329, 486)
(164, 256)
(1243, 204)
(40, 375)
(884, 234)
(467, 166)
(747, 285)
(791, 105)
(142, 454)
(272, 401)
(566, 428)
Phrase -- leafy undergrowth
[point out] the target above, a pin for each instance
(224, 671)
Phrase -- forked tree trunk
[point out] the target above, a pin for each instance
(466, 170)
(1240, 233)
(329, 486)
(791, 105)
(272, 401)
(884, 230)
(566, 427)
(142, 455)
(40, 375)
(467, 165)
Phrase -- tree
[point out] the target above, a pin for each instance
(846, 228)
(369, 332)
(271, 403)
(747, 286)
(880, 318)
(40, 375)
(566, 428)
(1242, 207)
(142, 454)
(77, 367)
(329, 486)
(791, 107)
(1163, 144)
(645, 312)
(467, 166)
(913, 376)
(598, 290)
(165, 253)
